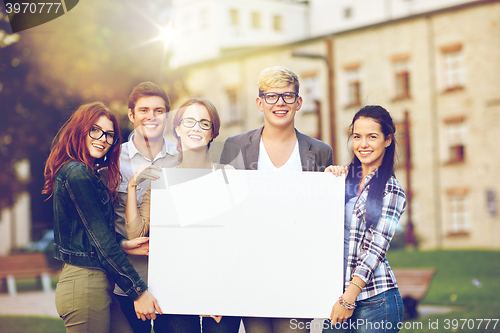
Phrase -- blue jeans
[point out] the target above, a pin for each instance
(380, 313)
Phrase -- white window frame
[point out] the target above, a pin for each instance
(233, 108)
(400, 68)
(453, 70)
(459, 214)
(353, 85)
(310, 88)
(256, 20)
(456, 135)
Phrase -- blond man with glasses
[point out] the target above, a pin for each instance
(276, 146)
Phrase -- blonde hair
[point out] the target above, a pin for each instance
(277, 77)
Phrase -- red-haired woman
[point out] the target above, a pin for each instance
(84, 228)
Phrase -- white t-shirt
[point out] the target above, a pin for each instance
(265, 163)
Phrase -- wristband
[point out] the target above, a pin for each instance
(346, 305)
(357, 285)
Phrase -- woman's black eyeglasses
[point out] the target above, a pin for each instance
(191, 122)
(96, 133)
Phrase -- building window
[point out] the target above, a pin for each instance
(456, 135)
(233, 113)
(277, 23)
(311, 93)
(402, 144)
(401, 78)
(347, 12)
(458, 209)
(203, 18)
(256, 20)
(234, 15)
(186, 21)
(353, 86)
(491, 202)
(453, 67)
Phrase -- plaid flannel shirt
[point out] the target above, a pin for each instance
(367, 248)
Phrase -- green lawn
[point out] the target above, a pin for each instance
(30, 324)
(466, 280)
(31, 284)
(25, 324)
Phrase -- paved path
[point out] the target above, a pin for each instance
(35, 303)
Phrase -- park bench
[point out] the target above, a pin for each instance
(413, 285)
(25, 265)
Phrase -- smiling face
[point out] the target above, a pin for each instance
(149, 118)
(369, 143)
(280, 114)
(194, 138)
(99, 147)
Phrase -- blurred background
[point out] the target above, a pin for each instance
(434, 64)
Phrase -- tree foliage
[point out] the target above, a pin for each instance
(98, 51)
(28, 118)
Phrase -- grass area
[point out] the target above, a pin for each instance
(32, 324)
(30, 284)
(35, 324)
(466, 280)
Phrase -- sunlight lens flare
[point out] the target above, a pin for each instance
(167, 35)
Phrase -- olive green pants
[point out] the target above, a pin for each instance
(85, 301)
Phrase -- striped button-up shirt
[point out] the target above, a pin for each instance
(367, 247)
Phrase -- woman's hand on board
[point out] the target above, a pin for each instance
(337, 170)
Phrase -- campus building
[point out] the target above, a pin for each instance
(434, 67)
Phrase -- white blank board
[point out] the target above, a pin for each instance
(247, 243)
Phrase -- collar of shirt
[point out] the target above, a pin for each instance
(167, 148)
(370, 176)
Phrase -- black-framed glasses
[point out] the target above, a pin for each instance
(191, 122)
(273, 98)
(96, 133)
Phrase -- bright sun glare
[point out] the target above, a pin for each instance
(167, 35)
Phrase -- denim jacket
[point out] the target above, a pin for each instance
(84, 227)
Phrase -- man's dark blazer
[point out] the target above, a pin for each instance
(242, 151)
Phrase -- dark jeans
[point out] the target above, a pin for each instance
(276, 325)
(169, 323)
(380, 313)
(227, 324)
(162, 324)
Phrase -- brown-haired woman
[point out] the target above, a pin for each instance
(375, 202)
(196, 124)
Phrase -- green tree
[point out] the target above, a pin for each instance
(28, 118)
(98, 51)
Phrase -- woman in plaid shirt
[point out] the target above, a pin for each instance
(374, 203)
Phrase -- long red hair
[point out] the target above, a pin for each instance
(70, 145)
